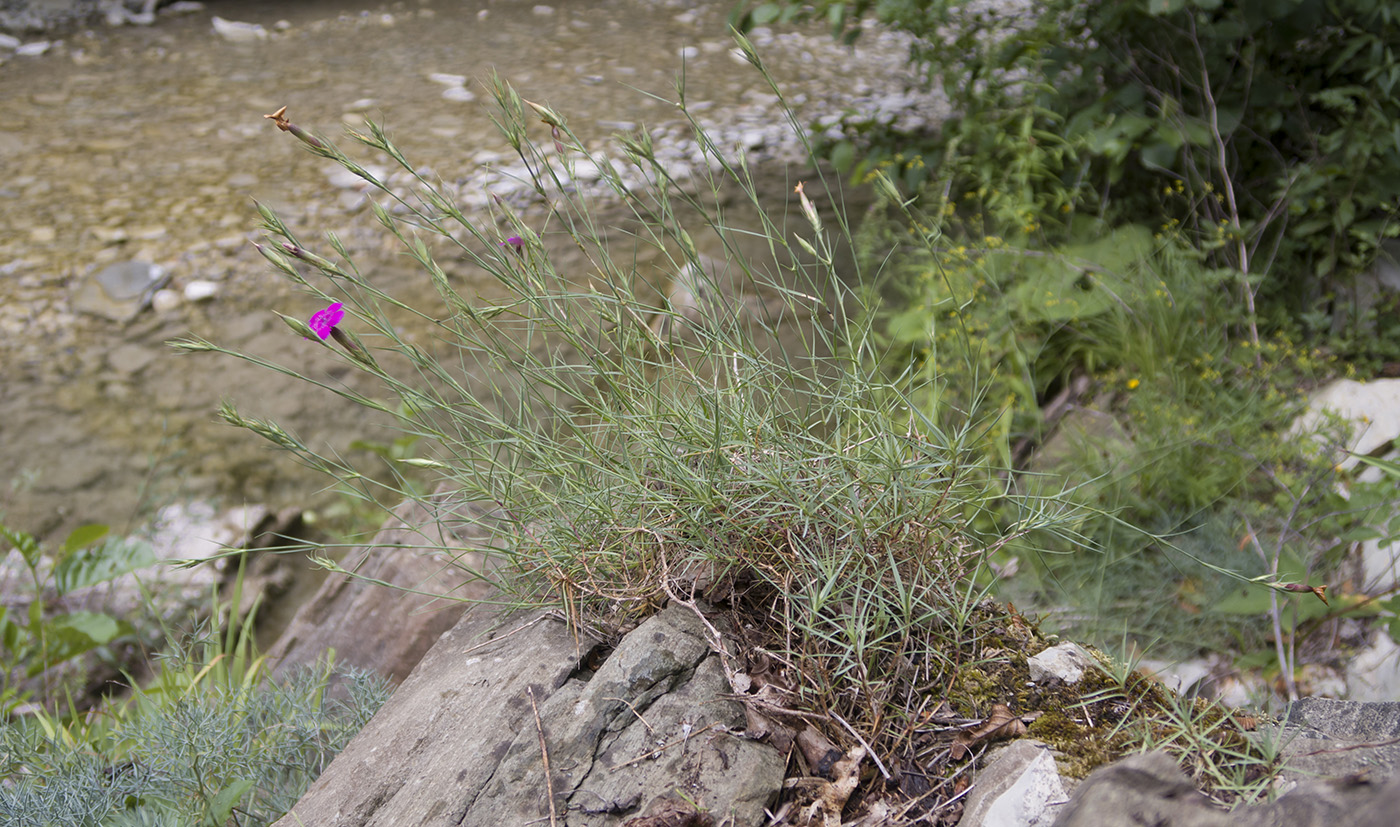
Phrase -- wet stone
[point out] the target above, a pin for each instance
(130, 359)
(119, 292)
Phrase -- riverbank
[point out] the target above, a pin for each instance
(147, 144)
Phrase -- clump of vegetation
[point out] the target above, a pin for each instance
(41, 644)
(1148, 218)
(203, 745)
(721, 429)
(207, 740)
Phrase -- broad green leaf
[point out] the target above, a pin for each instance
(70, 635)
(766, 13)
(221, 807)
(1159, 155)
(83, 536)
(102, 564)
(842, 156)
(24, 543)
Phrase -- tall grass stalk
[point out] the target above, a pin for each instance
(722, 432)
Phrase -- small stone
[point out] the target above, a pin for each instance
(542, 11)
(127, 360)
(201, 290)
(689, 53)
(1065, 663)
(9, 42)
(42, 235)
(235, 31)
(165, 300)
(120, 291)
(448, 79)
(459, 94)
(34, 49)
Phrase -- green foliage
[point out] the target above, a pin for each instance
(717, 429)
(198, 750)
(1279, 117)
(208, 740)
(33, 638)
(1171, 430)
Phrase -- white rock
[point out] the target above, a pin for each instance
(459, 94)
(8, 41)
(689, 53)
(542, 11)
(448, 80)
(165, 300)
(34, 49)
(1373, 407)
(1374, 674)
(1025, 804)
(1020, 787)
(235, 31)
(1066, 663)
(200, 290)
(1178, 677)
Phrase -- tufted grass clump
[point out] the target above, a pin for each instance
(670, 405)
(209, 740)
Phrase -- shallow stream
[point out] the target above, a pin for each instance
(149, 144)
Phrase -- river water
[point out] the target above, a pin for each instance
(149, 144)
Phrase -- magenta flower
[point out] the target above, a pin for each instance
(324, 321)
(514, 241)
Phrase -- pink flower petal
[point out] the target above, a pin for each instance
(324, 320)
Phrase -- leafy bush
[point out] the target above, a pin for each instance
(37, 640)
(1116, 361)
(1276, 117)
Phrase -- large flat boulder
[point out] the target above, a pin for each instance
(502, 724)
(431, 550)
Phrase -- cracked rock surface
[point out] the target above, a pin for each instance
(459, 742)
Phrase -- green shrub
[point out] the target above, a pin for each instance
(198, 755)
(40, 644)
(1275, 118)
(1170, 430)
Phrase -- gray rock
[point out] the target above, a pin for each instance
(1021, 787)
(431, 546)
(1150, 789)
(119, 292)
(130, 359)
(501, 698)
(1065, 663)
(1335, 739)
